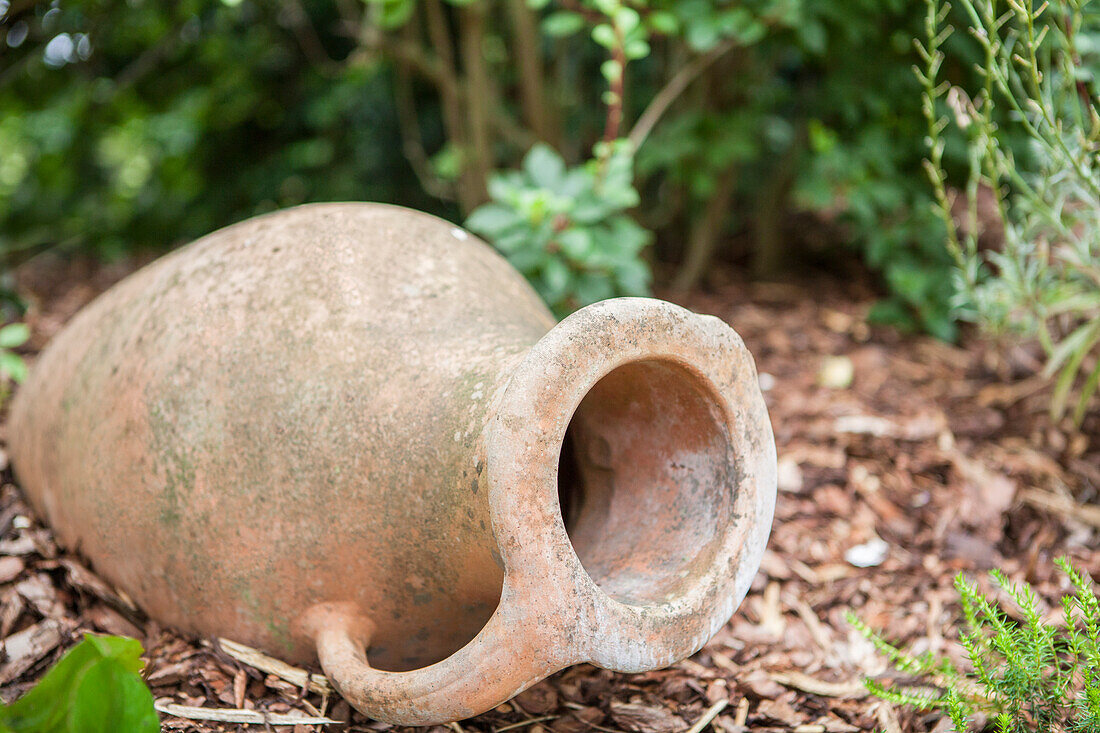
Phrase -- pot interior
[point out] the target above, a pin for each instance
(646, 481)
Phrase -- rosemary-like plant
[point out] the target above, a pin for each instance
(1029, 676)
(1040, 63)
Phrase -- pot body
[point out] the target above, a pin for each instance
(284, 411)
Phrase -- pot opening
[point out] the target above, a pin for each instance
(646, 481)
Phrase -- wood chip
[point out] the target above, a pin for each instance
(642, 718)
(240, 682)
(11, 568)
(23, 649)
(295, 676)
(23, 545)
(111, 621)
(887, 717)
(40, 592)
(170, 674)
(771, 617)
(84, 579)
(232, 715)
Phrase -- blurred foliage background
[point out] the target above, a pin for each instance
(764, 133)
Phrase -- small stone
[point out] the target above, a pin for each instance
(837, 372)
(868, 555)
(790, 475)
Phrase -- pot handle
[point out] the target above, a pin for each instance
(505, 658)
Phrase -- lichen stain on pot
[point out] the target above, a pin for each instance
(352, 426)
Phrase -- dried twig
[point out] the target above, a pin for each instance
(1062, 505)
(851, 690)
(671, 91)
(742, 714)
(233, 715)
(525, 723)
(259, 660)
(710, 714)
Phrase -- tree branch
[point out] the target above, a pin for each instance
(672, 90)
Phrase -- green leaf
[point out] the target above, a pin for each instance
(612, 70)
(13, 366)
(1080, 339)
(555, 279)
(544, 167)
(702, 36)
(1079, 348)
(633, 277)
(662, 21)
(95, 688)
(395, 13)
(604, 35)
(1089, 389)
(562, 23)
(14, 334)
(636, 49)
(492, 219)
(626, 19)
(575, 243)
(593, 287)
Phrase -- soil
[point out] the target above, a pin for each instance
(903, 461)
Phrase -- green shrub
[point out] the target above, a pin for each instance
(96, 687)
(566, 230)
(1040, 65)
(148, 124)
(162, 121)
(1029, 677)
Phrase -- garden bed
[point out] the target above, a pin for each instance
(903, 461)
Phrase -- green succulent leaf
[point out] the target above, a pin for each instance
(562, 23)
(13, 366)
(95, 688)
(13, 335)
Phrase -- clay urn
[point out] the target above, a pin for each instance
(352, 433)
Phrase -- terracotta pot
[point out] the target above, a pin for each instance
(346, 426)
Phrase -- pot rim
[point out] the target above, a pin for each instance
(543, 573)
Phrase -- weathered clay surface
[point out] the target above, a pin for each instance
(348, 425)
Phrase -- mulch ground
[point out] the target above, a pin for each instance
(903, 461)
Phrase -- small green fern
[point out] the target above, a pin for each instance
(1028, 677)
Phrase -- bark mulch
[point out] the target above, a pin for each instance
(903, 461)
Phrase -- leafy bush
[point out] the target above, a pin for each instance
(129, 125)
(1043, 282)
(153, 123)
(95, 687)
(566, 230)
(1031, 677)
